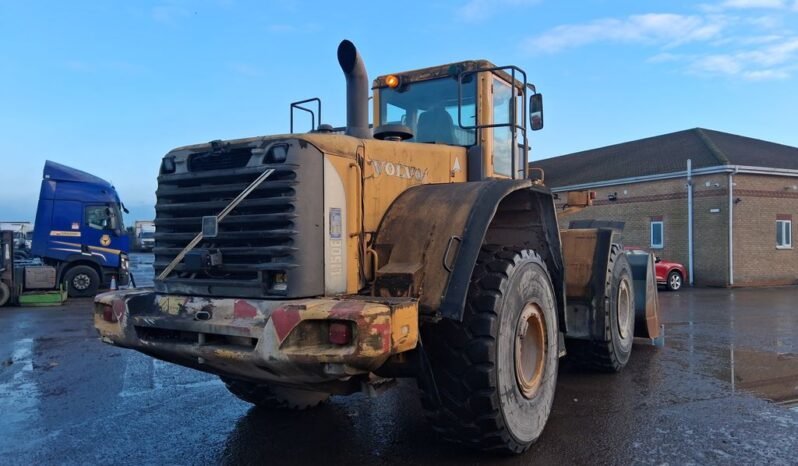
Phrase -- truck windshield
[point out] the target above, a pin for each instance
(429, 109)
(120, 223)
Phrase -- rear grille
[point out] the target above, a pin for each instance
(259, 241)
(161, 335)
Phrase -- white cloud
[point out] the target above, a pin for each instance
(663, 29)
(710, 44)
(772, 61)
(746, 4)
(477, 10)
(766, 75)
(717, 64)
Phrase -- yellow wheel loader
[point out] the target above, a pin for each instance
(300, 266)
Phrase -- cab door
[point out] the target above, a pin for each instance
(100, 228)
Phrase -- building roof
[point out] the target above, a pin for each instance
(666, 153)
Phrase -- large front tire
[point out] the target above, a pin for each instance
(275, 397)
(496, 370)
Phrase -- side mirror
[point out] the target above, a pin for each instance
(536, 111)
(657, 259)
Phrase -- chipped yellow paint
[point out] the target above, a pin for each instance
(171, 304)
(107, 329)
(404, 327)
(229, 354)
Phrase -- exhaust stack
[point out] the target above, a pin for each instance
(357, 90)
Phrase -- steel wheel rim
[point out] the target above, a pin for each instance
(530, 350)
(676, 282)
(624, 308)
(81, 281)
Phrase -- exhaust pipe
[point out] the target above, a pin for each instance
(357, 90)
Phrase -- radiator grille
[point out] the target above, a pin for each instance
(259, 240)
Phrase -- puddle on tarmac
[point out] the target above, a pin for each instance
(769, 375)
(20, 395)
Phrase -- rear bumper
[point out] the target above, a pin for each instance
(261, 340)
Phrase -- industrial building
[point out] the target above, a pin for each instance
(738, 194)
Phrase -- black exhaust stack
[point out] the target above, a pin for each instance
(357, 90)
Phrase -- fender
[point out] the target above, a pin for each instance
(430, 237)
(70, 260)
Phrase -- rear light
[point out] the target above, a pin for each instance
(108, 314)
(340, 333)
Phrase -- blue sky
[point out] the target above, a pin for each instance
(110, 86)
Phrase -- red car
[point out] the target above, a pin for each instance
(670, 274)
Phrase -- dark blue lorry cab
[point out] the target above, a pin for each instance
(79, 230)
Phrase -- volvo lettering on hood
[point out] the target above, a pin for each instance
(398, 170)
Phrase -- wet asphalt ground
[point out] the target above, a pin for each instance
(67, 398)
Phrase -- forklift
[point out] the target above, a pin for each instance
(26, 282)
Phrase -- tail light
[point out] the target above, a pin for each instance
(340, 333)
(108, 314)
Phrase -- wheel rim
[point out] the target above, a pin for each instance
(81, 281)
(530, 350)
(676, 281)
(624, 308)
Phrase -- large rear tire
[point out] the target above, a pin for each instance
(496, 370)
(82, 281)
(273, 396)
(611, 351)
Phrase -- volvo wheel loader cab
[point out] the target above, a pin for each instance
(300, 266)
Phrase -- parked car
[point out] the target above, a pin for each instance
(669, 274)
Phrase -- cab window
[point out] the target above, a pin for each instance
(429, 109)
(502, 136)
(99, 217)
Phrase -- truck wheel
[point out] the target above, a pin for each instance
(496, 370)
(82, 281)
(5, 294)
(275, 397)
(610, 352)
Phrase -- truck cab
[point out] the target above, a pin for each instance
(79, 230)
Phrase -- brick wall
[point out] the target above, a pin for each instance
(636, 204)
(763, 199)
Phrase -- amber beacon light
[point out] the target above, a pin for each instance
(392, 81)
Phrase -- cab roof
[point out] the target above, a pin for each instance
(57, 172)
(441, 71)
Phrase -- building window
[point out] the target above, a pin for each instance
(784, 234)
(657, 235)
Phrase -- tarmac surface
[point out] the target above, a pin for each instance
(65, 397)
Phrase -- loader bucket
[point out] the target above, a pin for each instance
(646, 302)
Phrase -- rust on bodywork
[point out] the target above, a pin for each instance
(285, 341)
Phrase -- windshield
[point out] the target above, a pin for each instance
(119, 224)
(429, 109)
(147, 234)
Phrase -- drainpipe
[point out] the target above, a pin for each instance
(731, 226)
(690, 219)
